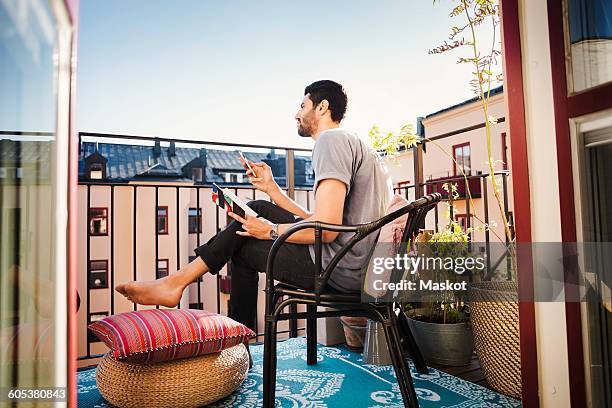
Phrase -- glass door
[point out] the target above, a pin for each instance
(595, 148)
(35, 66)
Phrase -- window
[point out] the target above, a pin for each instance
(98, 274)
(461, 154)
(162, 268)
(162, 220)
(233, 177)
(2, 172)
(588, 41)
(403, 187)
(462, 220)
(98, 221)
(195, 220)
(596, 196)
(403, 184)
(94, 317)
(35, 89)
(196, 174)
(95, 171)
(19, 172)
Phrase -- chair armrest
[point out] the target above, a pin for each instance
(360, 230)
(319, 227)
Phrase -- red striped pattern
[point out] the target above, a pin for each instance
(156, 335)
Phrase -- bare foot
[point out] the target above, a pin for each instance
(163, 292)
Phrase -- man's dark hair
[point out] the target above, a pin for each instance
(331, 91)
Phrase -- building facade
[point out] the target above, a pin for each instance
(455, 140)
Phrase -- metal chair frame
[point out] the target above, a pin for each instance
(400, 339)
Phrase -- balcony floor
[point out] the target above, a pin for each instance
(472, 372)
(339, 379)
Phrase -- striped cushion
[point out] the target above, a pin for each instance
(156, 335)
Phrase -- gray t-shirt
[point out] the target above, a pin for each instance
(341, 155)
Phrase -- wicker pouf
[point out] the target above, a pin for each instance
(190, 382)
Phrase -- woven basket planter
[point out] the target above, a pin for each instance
(190, 382)
(495, 322)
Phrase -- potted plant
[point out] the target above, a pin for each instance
(440, 323)
(492, 304)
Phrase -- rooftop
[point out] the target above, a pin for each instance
(127, 162)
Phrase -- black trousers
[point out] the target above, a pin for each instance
(293, 263)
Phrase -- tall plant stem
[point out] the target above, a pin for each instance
(468, 192)
(485, 107)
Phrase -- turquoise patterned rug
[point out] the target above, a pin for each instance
(339, 379)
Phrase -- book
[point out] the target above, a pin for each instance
(230, 202)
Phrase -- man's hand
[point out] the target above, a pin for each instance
(253, 227)
(263, 180)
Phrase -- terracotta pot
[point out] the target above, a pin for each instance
(354, 331)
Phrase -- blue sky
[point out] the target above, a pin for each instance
(235, 71)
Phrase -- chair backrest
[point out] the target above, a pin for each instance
(386, 245)
(393, 240)
(401, 219)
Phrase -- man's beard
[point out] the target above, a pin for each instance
(302, 131)
(305, 128)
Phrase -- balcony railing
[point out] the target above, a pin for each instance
(479, 189)
(128, 229)
(125, 231)
(437, 186)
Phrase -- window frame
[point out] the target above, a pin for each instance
(200, 171)
(504, 143)
(166, 221)
(91, 234)
(459, 216)
(157, 269)
(96, 168)
(90, 271)
(91, 337)
(462, 146)
(198, 217)
(403, 184)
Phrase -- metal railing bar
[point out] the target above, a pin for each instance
(485, 195)
(187, 141)
(173, 184)
(178, 233)
(87, 299)
(468, 214)
(112, 251)
(199, 232)
(134, 232)
(25, 133)
(157, 234)
(436, 218)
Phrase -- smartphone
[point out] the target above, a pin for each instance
(247, 163)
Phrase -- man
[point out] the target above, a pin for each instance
(351, 186)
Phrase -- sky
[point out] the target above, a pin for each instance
(235, 71)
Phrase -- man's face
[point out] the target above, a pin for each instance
(306, 118)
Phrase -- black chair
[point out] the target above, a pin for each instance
(344, 304)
